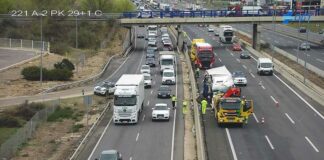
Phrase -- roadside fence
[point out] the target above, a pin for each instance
(24, 44)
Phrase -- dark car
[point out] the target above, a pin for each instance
(302, 30)
(140, 35)
(245, 55)
(150, 62)
(164, 92)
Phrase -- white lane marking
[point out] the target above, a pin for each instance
(320, 60)
(231, 54)
(174, 115)
(131, 158)
(244, 66)
(252, 75)
(263, 87)
(292, 121)
(151, 91)
(90, 157)
(310, 142)
(143, 117)
(299, 96)
(221, 44)
(219, 60)
(148, 102)
(137, 137)
(238, 60)
(256, 119)
(274, 99)
(141, 58)
(269, 142)
(231, 144)
(276, 41)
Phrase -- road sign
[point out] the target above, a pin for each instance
(87, 100)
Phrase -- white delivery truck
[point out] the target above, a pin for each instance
(222, 79)
(226, 33)
(128, 98)
(166, 60)
(264, 66)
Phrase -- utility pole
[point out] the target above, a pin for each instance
(307, 42)
(41, 57)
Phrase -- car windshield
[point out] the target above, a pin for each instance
(266, 65)
(161, 107)
(168, 74)
(228, 33)
(150, 60)
(147, 77)
(125, 100)
(167, 62)
(238, 74)
(108, 157)
(164, 88)
(245, 53)
(145, 67)
(231, 105)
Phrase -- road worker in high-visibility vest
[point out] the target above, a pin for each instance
(173, 99)
(203, 106)
(184, 107)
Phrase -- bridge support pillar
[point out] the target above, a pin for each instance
(254, 35)
(130, 36)
(178, 34)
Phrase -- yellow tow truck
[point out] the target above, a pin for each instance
(193, 48)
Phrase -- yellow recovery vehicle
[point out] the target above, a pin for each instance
(230, 110)
(193, 48)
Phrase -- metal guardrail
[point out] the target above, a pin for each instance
(223, 13)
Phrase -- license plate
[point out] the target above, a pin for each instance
(163, 95)
(230, 120)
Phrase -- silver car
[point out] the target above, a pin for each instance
(304, 46)
(239, 78)
(104, 88)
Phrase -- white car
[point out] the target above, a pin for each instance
(151, 42)
(304, 46)
(239, 78)
(168, 77)
(145, 69)
(161, 111)
(147, 80)
(210, 29)
(104, 88)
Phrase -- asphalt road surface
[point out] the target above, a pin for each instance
(293, 123)
(9, 57)
(147, 139)
(315, 55)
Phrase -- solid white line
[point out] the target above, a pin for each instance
(219, 60)
(143, 117)
(269, 142)
(320, 60)
(310, 142)
(244, 66)
(151, 91)
(148, 102)
(274, 99)
(231, 144)
(252, 75)
(131, 158)
(292, 121)
(174, 116)
(141, 59)
(276, 41)
(300, 97)
(137, 137)
(238, 60)
(90, 157)
(231, 54)
(256, 119)
(263, 87)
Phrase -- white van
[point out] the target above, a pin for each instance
(265, 66)
(253, 10)
(168, 77)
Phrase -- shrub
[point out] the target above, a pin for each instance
(60, 113)
(59, 47)
(59, 74)
(9, 121)
(64, 64)
(76, 127)
(33, 73)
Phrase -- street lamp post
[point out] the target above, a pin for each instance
(307, 42)
(41, 57)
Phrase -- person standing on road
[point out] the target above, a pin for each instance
(203, 106)
(184, 107)
(173, 99)
(197, 72)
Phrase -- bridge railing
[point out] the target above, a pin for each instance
(221, 13)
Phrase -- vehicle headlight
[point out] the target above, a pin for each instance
(159, 93)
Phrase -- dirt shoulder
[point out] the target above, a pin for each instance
(13, 84)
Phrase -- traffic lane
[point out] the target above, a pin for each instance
(289, 107)
(290, 45)
(122, 137)
(9, 57)
(243, 67)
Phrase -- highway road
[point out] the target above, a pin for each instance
(315, 56)
(9, 57)
(147, 139)
(293, 123)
